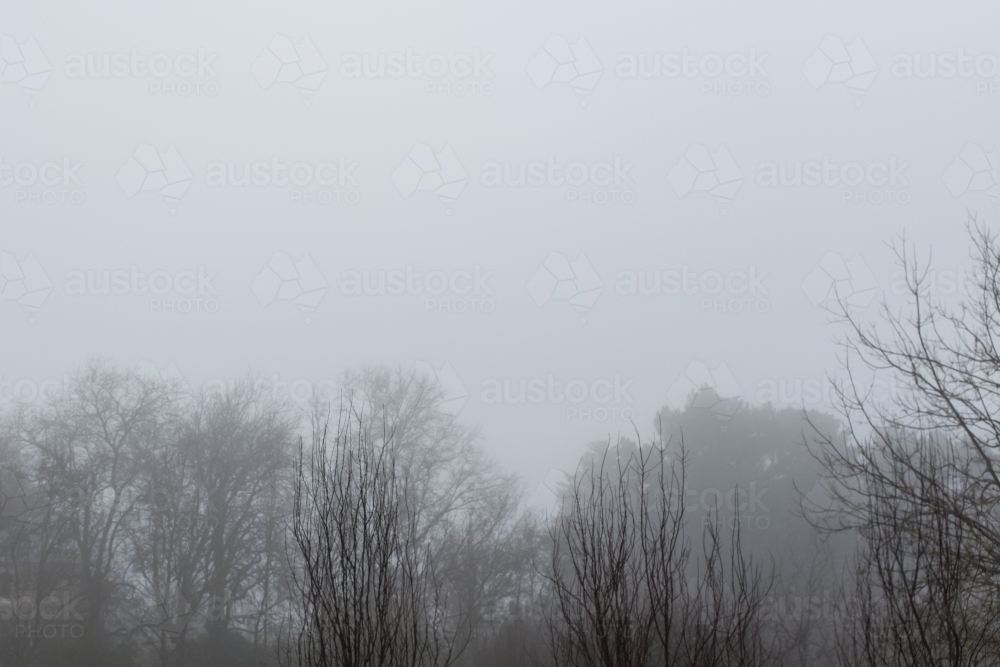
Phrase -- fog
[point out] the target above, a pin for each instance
(564, 222)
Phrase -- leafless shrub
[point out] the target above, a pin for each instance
(626, 591)
(368, 589)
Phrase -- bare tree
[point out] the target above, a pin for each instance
(806, 605)
(209, 550)
(90, 442)
(467, 509)
(915, 471)
(446, 472)
(604, 613)
(37, 597)
(625, 589)
(369, 592)
(919, 594)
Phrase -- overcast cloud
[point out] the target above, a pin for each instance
(299, 188)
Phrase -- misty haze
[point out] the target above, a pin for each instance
(465, 334)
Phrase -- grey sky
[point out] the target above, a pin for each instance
(922, 150)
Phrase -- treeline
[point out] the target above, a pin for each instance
(145, 524)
